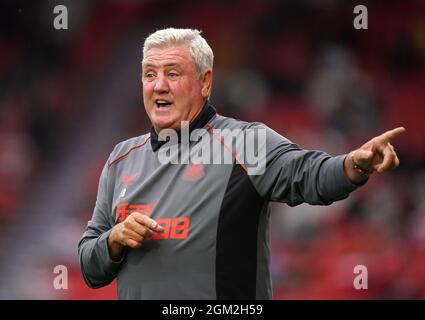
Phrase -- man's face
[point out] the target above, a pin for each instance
(172, 91)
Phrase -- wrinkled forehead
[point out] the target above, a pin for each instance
(167, 55)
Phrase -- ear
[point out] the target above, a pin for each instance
(206, 83)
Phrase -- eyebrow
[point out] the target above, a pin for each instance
(150, 65)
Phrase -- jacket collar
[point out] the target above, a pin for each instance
(208, 111)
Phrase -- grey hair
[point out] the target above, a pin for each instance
(200, 51)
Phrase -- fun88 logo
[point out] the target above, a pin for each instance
(174, 228)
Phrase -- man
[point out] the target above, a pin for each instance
(184, 231)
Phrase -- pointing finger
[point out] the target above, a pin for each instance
(138, 228)
(391, 134)
(148, 222)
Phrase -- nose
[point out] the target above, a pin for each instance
(161, 85)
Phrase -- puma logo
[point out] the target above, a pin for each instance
(193, 172)
(128, 180)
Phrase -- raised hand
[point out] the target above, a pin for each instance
(377, 154)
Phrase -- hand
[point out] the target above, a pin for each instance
(131, 233)
(377, 154)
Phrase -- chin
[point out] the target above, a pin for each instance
(162, 124)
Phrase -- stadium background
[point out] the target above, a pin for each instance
(67, 97)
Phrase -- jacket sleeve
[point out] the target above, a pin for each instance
(97, 267)
(294, 175)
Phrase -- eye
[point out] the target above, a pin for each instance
(149, 75)
(173, 74)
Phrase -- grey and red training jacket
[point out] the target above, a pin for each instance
(216, 243)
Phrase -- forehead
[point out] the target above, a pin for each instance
(169, 55)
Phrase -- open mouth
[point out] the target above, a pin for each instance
(162, 103)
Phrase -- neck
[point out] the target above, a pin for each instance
(190, 118)
(200, 119)
(196, 113)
